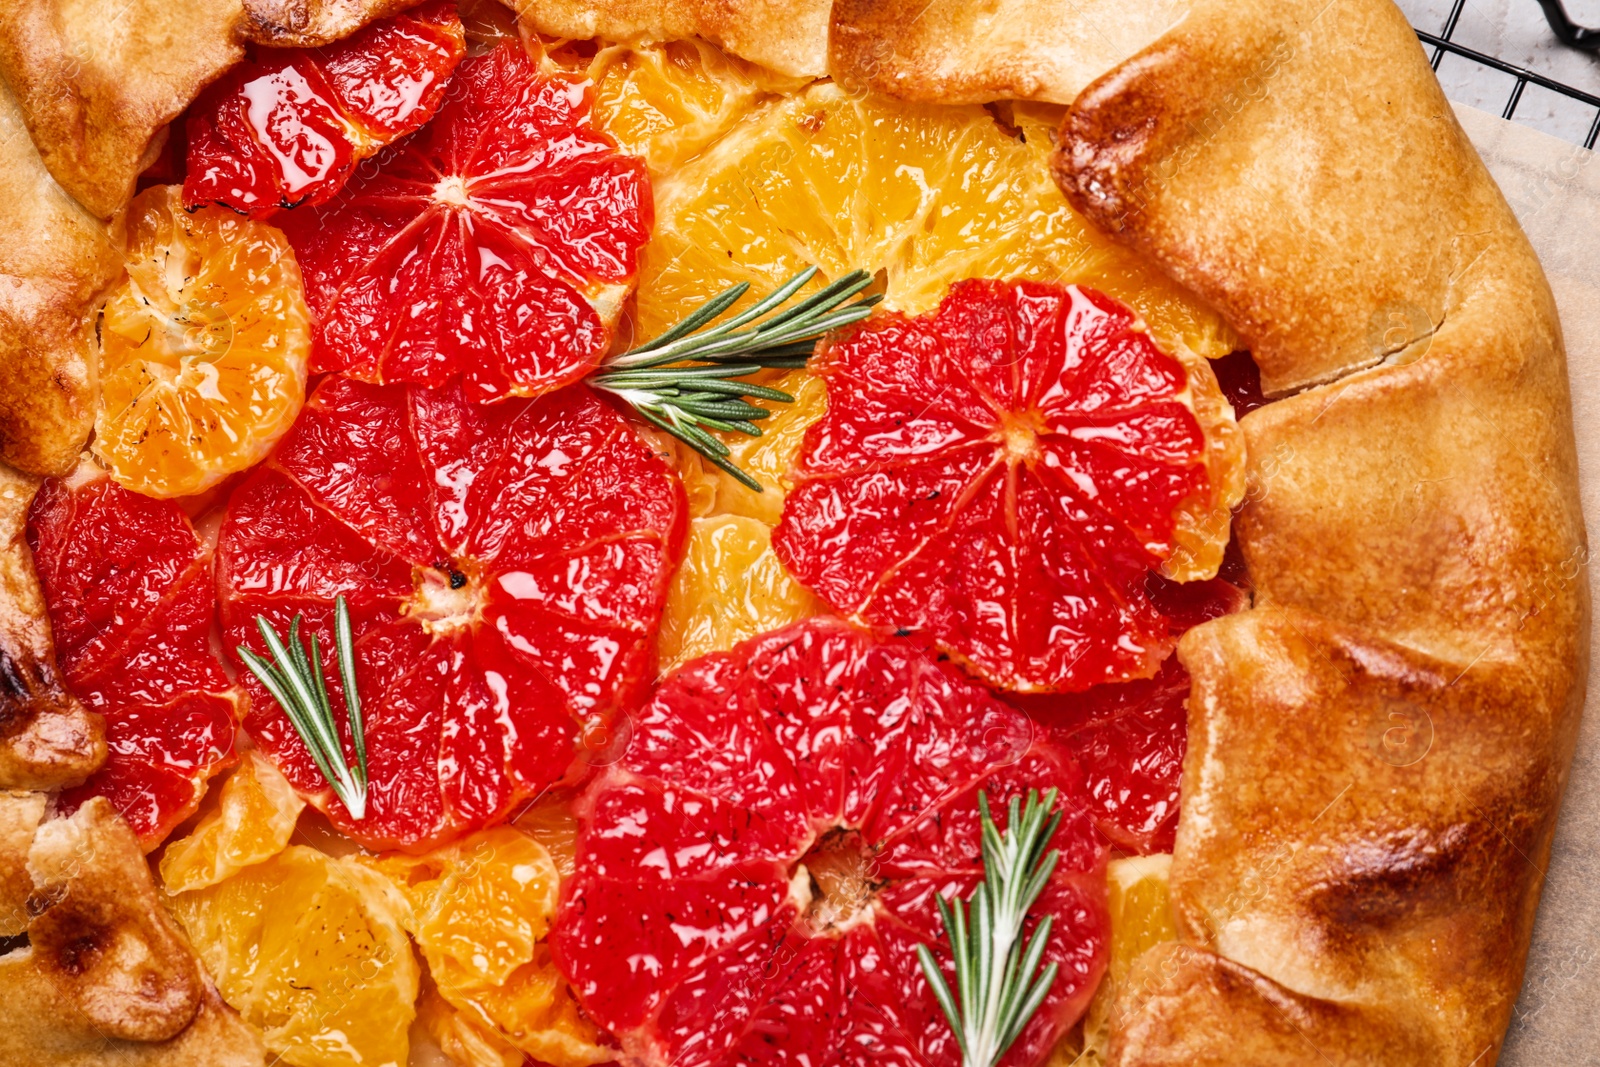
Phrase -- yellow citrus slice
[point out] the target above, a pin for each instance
(927, 195)
(459, 1038)
(252, 820)
(665, 102)
(1141, 917)
(203, 347)
(479, 911)
(729, 588)
(311, 950)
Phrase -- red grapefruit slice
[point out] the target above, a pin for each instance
(129, 588)
(495, 245)
(289, 125)
(1002, 475)
(505, 567)
(755, 871)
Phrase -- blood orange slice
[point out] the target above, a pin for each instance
(505, 568)
(1002, 475)
(496, 244)
(129, 588)
(755, 872)
(290, 125)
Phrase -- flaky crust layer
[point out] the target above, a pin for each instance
(1378, 749)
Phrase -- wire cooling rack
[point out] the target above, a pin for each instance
(1564, 28)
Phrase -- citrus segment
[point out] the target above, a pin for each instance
(1130, 738)
(1141, 917)
(479, 911)
(252, 821)
(755, 871)
(729, 587)
(289, 125)
(666, 102)
(494, 246)
(505, 568)
(311, 951)
(928, 195)
(1002, 475)
(128, 585)
(203, 347)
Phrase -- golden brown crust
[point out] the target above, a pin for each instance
(107, 979)
(311, 23)
(789, 36)
(55, 259)
(47, 737)
(1282, 119)
(99, 81)
(1378, 748)
(956, 51)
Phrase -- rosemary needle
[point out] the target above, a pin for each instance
(687, 380)
(997, 990)
(295, 680)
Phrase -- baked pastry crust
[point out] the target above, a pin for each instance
(107, 978)
(1412, 525)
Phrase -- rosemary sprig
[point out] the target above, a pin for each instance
(684, 380)
(997, 991)
(296, 682)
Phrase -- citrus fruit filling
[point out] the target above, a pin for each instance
(203, 347)
(505, 568)
(926, 195)
(129, 588)
(1003, 475)
(311, 951)
(494, 246)
(755, 871)
(290, 125)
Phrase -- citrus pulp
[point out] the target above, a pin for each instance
(493, 246)
(1003, 475)
(289, 125)
(203, 347)
(129, 588)
(505, 567)
(756, 870)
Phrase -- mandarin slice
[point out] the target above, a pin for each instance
(505, 567)
(755, 871)
(1139, 894)
(928, 195)
(129, 587)
(479, 911)
(311, 951)
(252, 821)
(203, 348)
(290, 125)
(494, 246)
(1002, 476)
(729, 588)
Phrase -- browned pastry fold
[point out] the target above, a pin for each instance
(1377, 749)
(957, 51)
(789, 36)
(106, 978)
(311, 23)
(47, 737)
(55, 260)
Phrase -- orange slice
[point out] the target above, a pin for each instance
(310, 950)
(480, 910)
(203, 347)
(252, 821)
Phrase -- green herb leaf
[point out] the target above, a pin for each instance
(685, 381)
(997, 987)
(295, 680)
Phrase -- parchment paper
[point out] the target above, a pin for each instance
(1554, 188)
